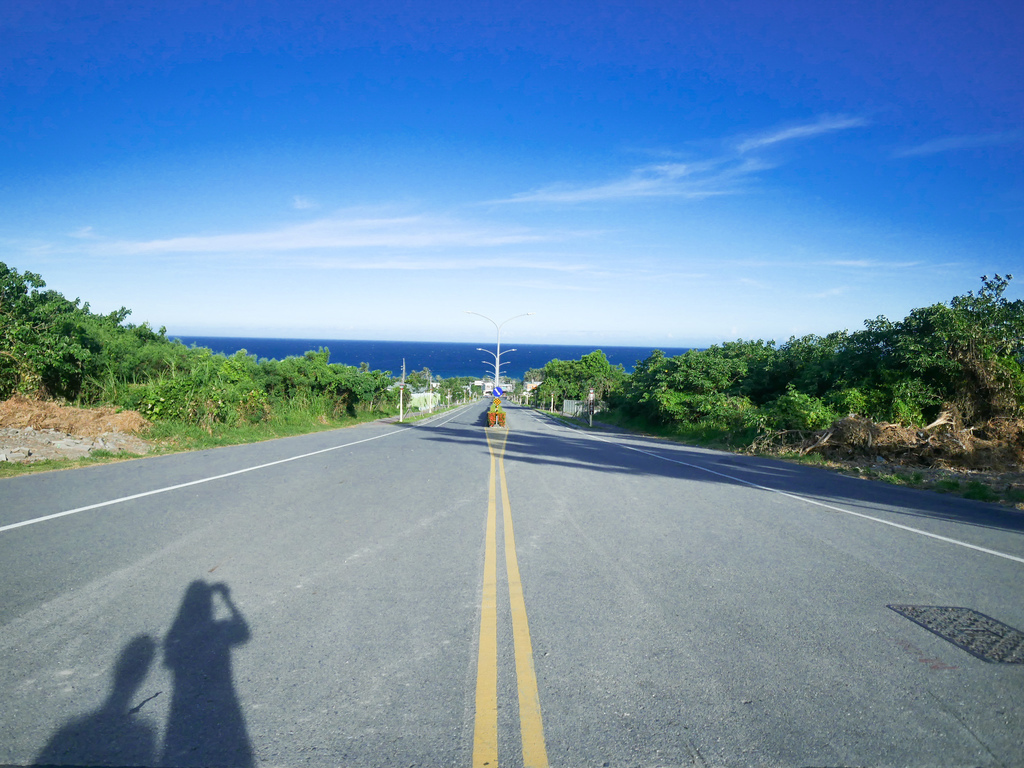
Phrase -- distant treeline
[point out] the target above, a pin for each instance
(52, 347)
(964, 356)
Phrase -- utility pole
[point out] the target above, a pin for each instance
(401, 395)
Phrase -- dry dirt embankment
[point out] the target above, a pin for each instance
(32, 430)
(985, 462)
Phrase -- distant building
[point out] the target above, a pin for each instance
(424, 401)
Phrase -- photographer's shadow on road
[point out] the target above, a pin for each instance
(112, 735)
(205, 725)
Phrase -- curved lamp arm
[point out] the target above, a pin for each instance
(497, 327)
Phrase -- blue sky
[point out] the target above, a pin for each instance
(633, 173)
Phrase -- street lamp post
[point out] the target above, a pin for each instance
(495, 363)
(497, 355)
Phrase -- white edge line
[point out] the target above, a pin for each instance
(812, 501)
(33, 521)
(453, 416)
(429, 421)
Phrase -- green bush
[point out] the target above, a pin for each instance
(848, 401)
(967, 353)
(796, 410)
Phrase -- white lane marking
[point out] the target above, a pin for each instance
(812, 501)
(457, 412)
(185, 485)
(429, 420)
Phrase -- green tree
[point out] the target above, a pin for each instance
(46, 341)
(418, 381)
(573, 379)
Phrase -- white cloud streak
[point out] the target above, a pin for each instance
(693, 181)
(714, 177)
(410, 232)
(559, 286)
(753, 283)
(954, 143)
(871, 264)
(829, 293)
(301, 203)
(430, 264)
(808, 131)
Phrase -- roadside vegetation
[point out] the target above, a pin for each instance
(941, 389)
(53, 348)
(444, 392)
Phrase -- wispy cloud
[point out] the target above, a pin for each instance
(409, 232)
(954, 143)
(830, 293)
(559, 286)
(664, 276)
(695, 181)
(825, 124)
(422, 264)
(871, 264)
(730, 174)
(301, 203)
(753, 283)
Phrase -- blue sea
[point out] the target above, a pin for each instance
(445, 359)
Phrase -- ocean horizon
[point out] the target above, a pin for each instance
(443, 358)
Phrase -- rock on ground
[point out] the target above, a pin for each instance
(33, 430)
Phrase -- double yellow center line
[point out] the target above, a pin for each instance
(485, 732)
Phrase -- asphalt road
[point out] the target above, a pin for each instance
(442, 594)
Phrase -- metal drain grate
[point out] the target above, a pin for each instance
(976, 633)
